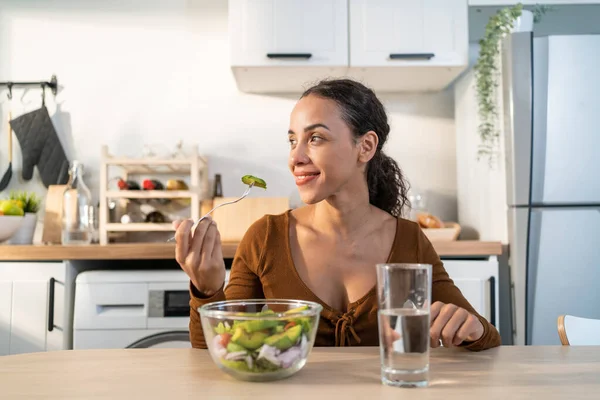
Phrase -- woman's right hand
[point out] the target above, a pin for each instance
(200, 255)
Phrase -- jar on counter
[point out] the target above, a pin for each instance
(77, 223)
(418, 203)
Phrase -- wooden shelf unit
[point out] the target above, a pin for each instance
(194, 166)
(149, 194)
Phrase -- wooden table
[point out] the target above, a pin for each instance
(331, 373)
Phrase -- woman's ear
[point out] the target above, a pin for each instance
(367, 146)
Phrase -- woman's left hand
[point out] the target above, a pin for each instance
(453, 325)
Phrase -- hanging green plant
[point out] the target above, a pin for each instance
(486, 74)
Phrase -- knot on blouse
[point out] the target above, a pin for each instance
(344, 328)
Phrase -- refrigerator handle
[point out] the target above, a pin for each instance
(512, 309)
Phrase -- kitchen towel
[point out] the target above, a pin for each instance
(40, 146)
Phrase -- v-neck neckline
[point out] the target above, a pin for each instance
(292, 264)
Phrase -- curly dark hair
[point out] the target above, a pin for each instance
(363, 112)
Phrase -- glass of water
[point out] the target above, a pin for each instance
(404, 299)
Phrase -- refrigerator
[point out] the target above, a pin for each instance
(551, 106)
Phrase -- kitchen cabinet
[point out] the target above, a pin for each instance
(390, 45)
(478, 282)
(279, 45)
(288, 32)
(5, 313)
(32, 302)
(408, 45)
(408, 33)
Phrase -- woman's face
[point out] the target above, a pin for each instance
(324, 158)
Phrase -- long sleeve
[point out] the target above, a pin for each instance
(444, 290)
(244, 279)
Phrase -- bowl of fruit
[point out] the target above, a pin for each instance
(11, 218)
(260, 340)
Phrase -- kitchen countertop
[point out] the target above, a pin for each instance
(163, 251)
(515, 372)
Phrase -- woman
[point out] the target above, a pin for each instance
(326, 251)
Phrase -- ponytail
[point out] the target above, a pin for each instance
(388, 189)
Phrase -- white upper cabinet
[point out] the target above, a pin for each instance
(408, 32)
(288, 32)
(408, 45)
(391, 45)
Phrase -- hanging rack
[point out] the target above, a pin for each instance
(52, 84)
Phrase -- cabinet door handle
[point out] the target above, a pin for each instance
(493, 300)
(411, 56)
(51, 305)
(289, 55)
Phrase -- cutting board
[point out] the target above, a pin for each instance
(52, 233)
(234, 220)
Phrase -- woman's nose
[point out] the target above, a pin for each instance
(298, 155)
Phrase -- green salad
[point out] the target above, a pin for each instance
(263, 345)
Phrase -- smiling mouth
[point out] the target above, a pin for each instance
(302, 179)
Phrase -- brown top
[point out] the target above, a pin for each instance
(263, 268)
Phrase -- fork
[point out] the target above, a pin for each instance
(220, 205)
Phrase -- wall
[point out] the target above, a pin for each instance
(153, 72)
(481, 187)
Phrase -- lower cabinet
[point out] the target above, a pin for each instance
(32, 307)
(478, 282)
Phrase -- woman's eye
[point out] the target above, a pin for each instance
(292, 141)
(316, 139)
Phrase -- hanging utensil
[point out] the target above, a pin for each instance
(8, 174)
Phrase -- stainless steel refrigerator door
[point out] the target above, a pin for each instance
(517, 82)
(563, 269)
(518, 220)
(566, 128)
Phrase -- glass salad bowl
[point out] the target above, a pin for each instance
(260, 340)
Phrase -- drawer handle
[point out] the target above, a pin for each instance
(289, 55)
(51, 283)
(51, 304)
(411, 56)
(492, 281)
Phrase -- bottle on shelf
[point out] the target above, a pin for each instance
(152, 184)
(127, 185)
(77, 223)
(156, 217)
(218, 187)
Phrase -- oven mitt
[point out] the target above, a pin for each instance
(40, 146)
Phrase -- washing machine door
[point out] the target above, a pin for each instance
(171, 339)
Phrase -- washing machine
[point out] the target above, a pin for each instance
(131, 309)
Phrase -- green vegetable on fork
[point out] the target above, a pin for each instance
(249, 179)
